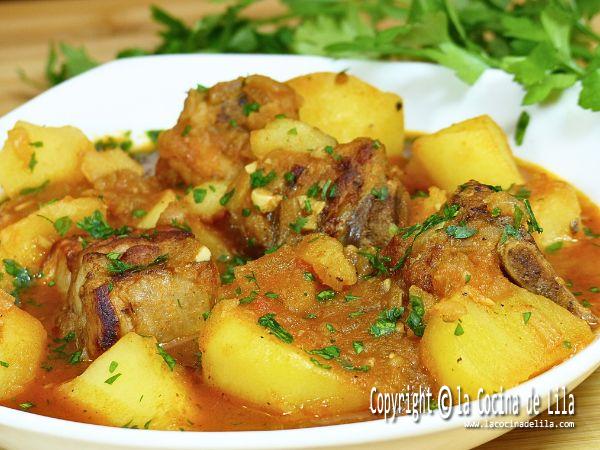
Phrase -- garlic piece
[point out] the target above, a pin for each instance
(265, 200)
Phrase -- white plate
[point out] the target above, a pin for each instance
(147, 93)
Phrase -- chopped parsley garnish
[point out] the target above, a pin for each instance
(595, 289)
(331, 152)
(509, 230)
(298, 224)
(381, 193)
(249, 108)
(268, 321)
(293, 131)
(153, 135)
(169, 360)
(590, 233)
(259, 179)
(289, 178)
(186, 130)
(459, 331)
(116, 266)
(249, 299)
(567, 344)
(326, 295)
(526, 317)
(62, 225)
(318, 363)
(415, 318)
(22, 279)
(272, 249)
(97, 227)
(233, 123)
(350, 297)
(355, 314)
(532, 222)
(112, 379)
(226, 197)
(330, 352)
(309, 276)
(75, 357)
(495, 212)
(522, 124)
(348, 366)
(35, 189)
(36, 144)
(378, 262)
(246, 212)
(586, 303)
(330, 328)
(313, 190)
(386, 322)
(328, 190)
(26, 405)
(419, 194)
(32, 162)
(4, 364)
(522, 193)
(271, 295)
(554, 247)
(139, 213)
(181, 225)
(113, 366)
(460, 231)
(201, 88)
(199, 195)
(358, 347)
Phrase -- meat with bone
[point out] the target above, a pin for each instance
(353, 194)
(159, 284)
(211, 138)
(482, 236)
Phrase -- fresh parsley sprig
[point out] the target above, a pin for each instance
(547, 45)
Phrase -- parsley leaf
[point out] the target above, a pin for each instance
(386, 322)
(268, 321)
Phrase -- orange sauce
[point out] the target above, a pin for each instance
(576, 262)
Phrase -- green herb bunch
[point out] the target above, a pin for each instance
(547, 45)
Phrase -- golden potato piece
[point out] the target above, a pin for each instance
(33, 155)
(556, 207)
(132, 385)
(326, 257)
(243, 359)
(474, 342)
(22, 347)
(475, 149)
(151, 218)
(204, 200)
(346, 107)
(28, 240)
(291, 135)
(98, 164)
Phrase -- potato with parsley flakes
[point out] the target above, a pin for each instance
(275, 374)
(135, 384)
(34, 155)
(22, 346)
(29, 240)
(475, 342)
(475, 149)
(204, 200)
(347, 108)
(291, 135)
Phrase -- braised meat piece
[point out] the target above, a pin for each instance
(482, 236)
(159, 283)
(211, 138)
(351, 193)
